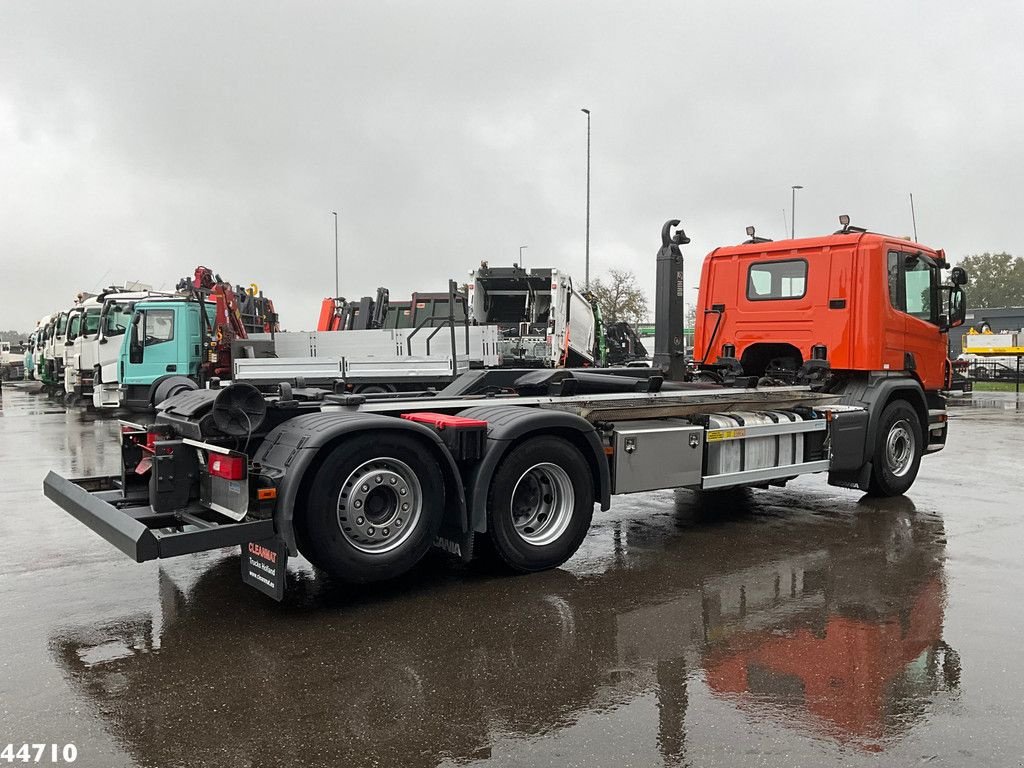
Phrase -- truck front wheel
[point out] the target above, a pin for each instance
(540, 504)
(899, 446)
(374, 508)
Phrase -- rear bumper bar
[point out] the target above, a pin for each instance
(131, 525)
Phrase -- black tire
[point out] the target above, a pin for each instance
(376, 547)
(899, 445)
(167, 388)
(549, 483)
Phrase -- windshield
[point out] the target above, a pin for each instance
(117, 319)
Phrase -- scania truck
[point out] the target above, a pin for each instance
(818, 355)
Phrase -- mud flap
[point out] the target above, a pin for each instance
(455, 542)
(265, 566)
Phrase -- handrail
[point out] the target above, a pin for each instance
(448, 322)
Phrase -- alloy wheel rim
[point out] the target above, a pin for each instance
(542, 504)
(379, 505)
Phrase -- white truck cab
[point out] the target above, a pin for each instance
(103, 353)
(83, 325)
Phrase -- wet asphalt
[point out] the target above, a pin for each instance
(802, 626)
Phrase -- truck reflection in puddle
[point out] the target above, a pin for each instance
(830, 625)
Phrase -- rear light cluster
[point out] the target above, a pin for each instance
(227, 467)
(145, 440)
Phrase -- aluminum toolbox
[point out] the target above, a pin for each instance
(657, 453)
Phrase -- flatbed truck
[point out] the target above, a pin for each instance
(363, 486)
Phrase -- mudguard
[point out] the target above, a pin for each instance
(290, 449)
(854, 468)
(507, 424)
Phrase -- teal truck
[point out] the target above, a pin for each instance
(176, 342)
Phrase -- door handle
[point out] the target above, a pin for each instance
(172, 368)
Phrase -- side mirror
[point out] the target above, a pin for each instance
(958, 276)
(955, 306)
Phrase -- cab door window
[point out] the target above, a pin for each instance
(74, 325)
(913, 286)
(159, 326)
(91, 322)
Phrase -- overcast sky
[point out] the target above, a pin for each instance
(139, 139)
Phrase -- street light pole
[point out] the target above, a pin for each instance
(586, 271)
(792, 211)
(521, 249)
(337, 291)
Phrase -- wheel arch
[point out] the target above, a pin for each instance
(510, 426)
(294, 451)
(874, 394)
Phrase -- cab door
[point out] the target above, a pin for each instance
(916, 297)
(151, 345)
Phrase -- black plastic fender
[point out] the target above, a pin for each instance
(872, 393)
(166, 386)
(507, 424)
(290, 449)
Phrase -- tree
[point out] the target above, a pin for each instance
(619, 297)
(996, 280)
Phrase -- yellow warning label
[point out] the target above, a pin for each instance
(725, 434)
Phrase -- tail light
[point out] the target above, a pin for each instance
(152, 435)
(229, 467)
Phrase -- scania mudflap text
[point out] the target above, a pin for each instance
(363, 486)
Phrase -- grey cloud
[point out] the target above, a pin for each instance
(144, 138)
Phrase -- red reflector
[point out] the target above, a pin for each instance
(444, 421)
(228, 467)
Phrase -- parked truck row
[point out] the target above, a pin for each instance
(135, 348)
(85, 353)
(818, 355)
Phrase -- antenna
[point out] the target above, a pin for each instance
(785, 224)
(913, 218)
(100, 281)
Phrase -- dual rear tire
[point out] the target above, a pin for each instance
(540, 504)
(374, 508)
(376, 504)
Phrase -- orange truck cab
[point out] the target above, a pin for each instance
(858, 314)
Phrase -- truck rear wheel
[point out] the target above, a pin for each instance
(540, 504)
(899, 445)
(374, 508)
